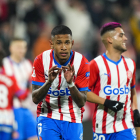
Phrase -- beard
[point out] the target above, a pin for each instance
(120, 48)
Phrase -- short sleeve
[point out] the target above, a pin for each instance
(94, 74)
(21, 94)
(82, 78)
(134, 76)
(38, 77)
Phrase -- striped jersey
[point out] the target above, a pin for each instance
(22, 70)
(8, 89)
(112, 80)
(58, 103)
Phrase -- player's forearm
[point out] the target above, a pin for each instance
(93, 98)
(78, 97)
(39, 93)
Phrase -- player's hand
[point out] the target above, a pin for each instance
(68, 73)
(136, 118)
(113, 105)
(53, 71)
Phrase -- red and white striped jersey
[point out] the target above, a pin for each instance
(58, 103)
(8, 89)
(22, 70)
(114, 81)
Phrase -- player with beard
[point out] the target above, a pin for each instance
(59, 87)
(112, 76)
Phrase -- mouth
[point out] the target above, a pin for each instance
(63, 54)
(124, 44)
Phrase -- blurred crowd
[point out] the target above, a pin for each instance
(33, 20)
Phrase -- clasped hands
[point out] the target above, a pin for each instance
(68, 73)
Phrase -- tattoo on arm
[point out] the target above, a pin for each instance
(34, 87)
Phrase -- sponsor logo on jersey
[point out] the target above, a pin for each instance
(87, 74)
(59, 92)
(108, 90)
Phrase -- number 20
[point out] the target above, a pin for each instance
(100, 137)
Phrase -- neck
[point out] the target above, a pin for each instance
(15, 59)
(61, 62)
(115, 56)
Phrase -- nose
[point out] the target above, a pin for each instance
(125, 38)
(63, 47)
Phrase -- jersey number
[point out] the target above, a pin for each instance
(3, 96)
(100, 137)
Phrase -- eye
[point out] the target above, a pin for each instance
(58, 42)
(67, 42)
(121, 35)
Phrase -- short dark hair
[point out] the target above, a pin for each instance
(61, 29)
(109, 26)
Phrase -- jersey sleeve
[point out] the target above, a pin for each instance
(82, 78)
(94, 74)
(38, 77)
(134, 76)
(21, 94)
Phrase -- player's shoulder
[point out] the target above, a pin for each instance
(80, 57)
(129, 60)
(9, 80)
(96, 60)
(45, 53)
(6, 60)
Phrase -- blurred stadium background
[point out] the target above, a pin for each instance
(33, 20)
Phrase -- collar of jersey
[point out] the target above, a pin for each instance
(12, 61)
(116, 63)
(66, 63)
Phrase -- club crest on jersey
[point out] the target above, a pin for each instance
(33, 75)
(129, 74)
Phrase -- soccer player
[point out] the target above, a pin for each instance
(8, 89)
(59, 86)
(21, 68)
(112, 76)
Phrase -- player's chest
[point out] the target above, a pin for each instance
(114, 74)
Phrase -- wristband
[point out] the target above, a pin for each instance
(71, 85)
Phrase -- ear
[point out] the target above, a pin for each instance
(51, 44)
(109, 40)
(72, 43)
